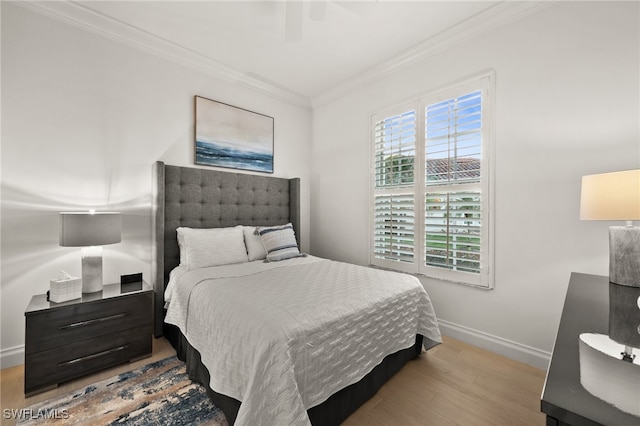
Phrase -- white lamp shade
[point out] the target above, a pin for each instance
(611, 196)
(84, 229)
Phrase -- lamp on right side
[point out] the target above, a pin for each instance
(616, 197)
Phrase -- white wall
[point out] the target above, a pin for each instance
(567, 104)
(83, 119)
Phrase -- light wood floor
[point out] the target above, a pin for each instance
(457, 384)
(452, 384)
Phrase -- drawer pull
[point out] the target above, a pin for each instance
(92, 356)
(93, 321)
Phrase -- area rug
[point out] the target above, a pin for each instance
(155, 394)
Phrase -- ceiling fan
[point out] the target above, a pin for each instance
(294, 13)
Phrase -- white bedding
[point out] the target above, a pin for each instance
(283, 337)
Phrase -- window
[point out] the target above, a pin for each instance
(431, 189)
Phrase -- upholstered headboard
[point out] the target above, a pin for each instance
(202, 198)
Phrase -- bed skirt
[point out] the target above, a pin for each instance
(331, 412)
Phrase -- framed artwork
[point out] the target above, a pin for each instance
(228, 136)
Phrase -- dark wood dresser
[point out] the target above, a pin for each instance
(564, 400)
(70, 339)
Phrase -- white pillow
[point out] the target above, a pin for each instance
(279, 242)
(255, 249)
(200, 248)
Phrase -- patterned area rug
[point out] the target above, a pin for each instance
(155, 394)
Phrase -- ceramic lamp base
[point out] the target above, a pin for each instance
(91, 269)
(624, 255)
(624, 314)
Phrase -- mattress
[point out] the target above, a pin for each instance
(283, 337)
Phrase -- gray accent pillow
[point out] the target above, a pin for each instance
(279, 242)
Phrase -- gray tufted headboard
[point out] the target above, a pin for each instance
(202, 198)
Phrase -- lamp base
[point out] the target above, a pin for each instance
(91, 269)
(624, 255)
(624, 314)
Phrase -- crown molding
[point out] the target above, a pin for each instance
(482, 23)
(81, 17)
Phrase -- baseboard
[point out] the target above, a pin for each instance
(11, 357)
(513, 350)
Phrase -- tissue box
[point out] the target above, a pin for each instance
(62, 290)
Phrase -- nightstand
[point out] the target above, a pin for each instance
(67, 340)
(564, 400)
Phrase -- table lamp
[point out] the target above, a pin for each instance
(616, 196)
(90, 230)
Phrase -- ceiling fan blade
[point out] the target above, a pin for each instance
(293, 20)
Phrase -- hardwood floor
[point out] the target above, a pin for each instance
(457, 384)
(452, 384)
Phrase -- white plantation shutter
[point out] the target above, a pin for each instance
(434, 219)
(395, 148)
(394, 227)
(453, 203)
(453, 133)
(452, 231)
(394, 139)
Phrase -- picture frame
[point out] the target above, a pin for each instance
(232, 137)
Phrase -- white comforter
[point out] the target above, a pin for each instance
(282, 337)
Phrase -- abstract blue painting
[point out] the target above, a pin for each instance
(228, 136)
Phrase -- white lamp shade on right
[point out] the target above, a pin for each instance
(611, 196)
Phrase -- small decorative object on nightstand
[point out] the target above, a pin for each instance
(64, 288)
(67, 340)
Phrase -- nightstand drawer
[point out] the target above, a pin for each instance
(55, 327)
(83, 357)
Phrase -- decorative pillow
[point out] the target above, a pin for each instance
(255, 249)
(200, 248)
(279, 242)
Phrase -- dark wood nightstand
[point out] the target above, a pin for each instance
(564, 400)
(67, 340)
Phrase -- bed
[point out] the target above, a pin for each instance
(295, 341)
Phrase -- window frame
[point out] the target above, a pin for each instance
(484, 82)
